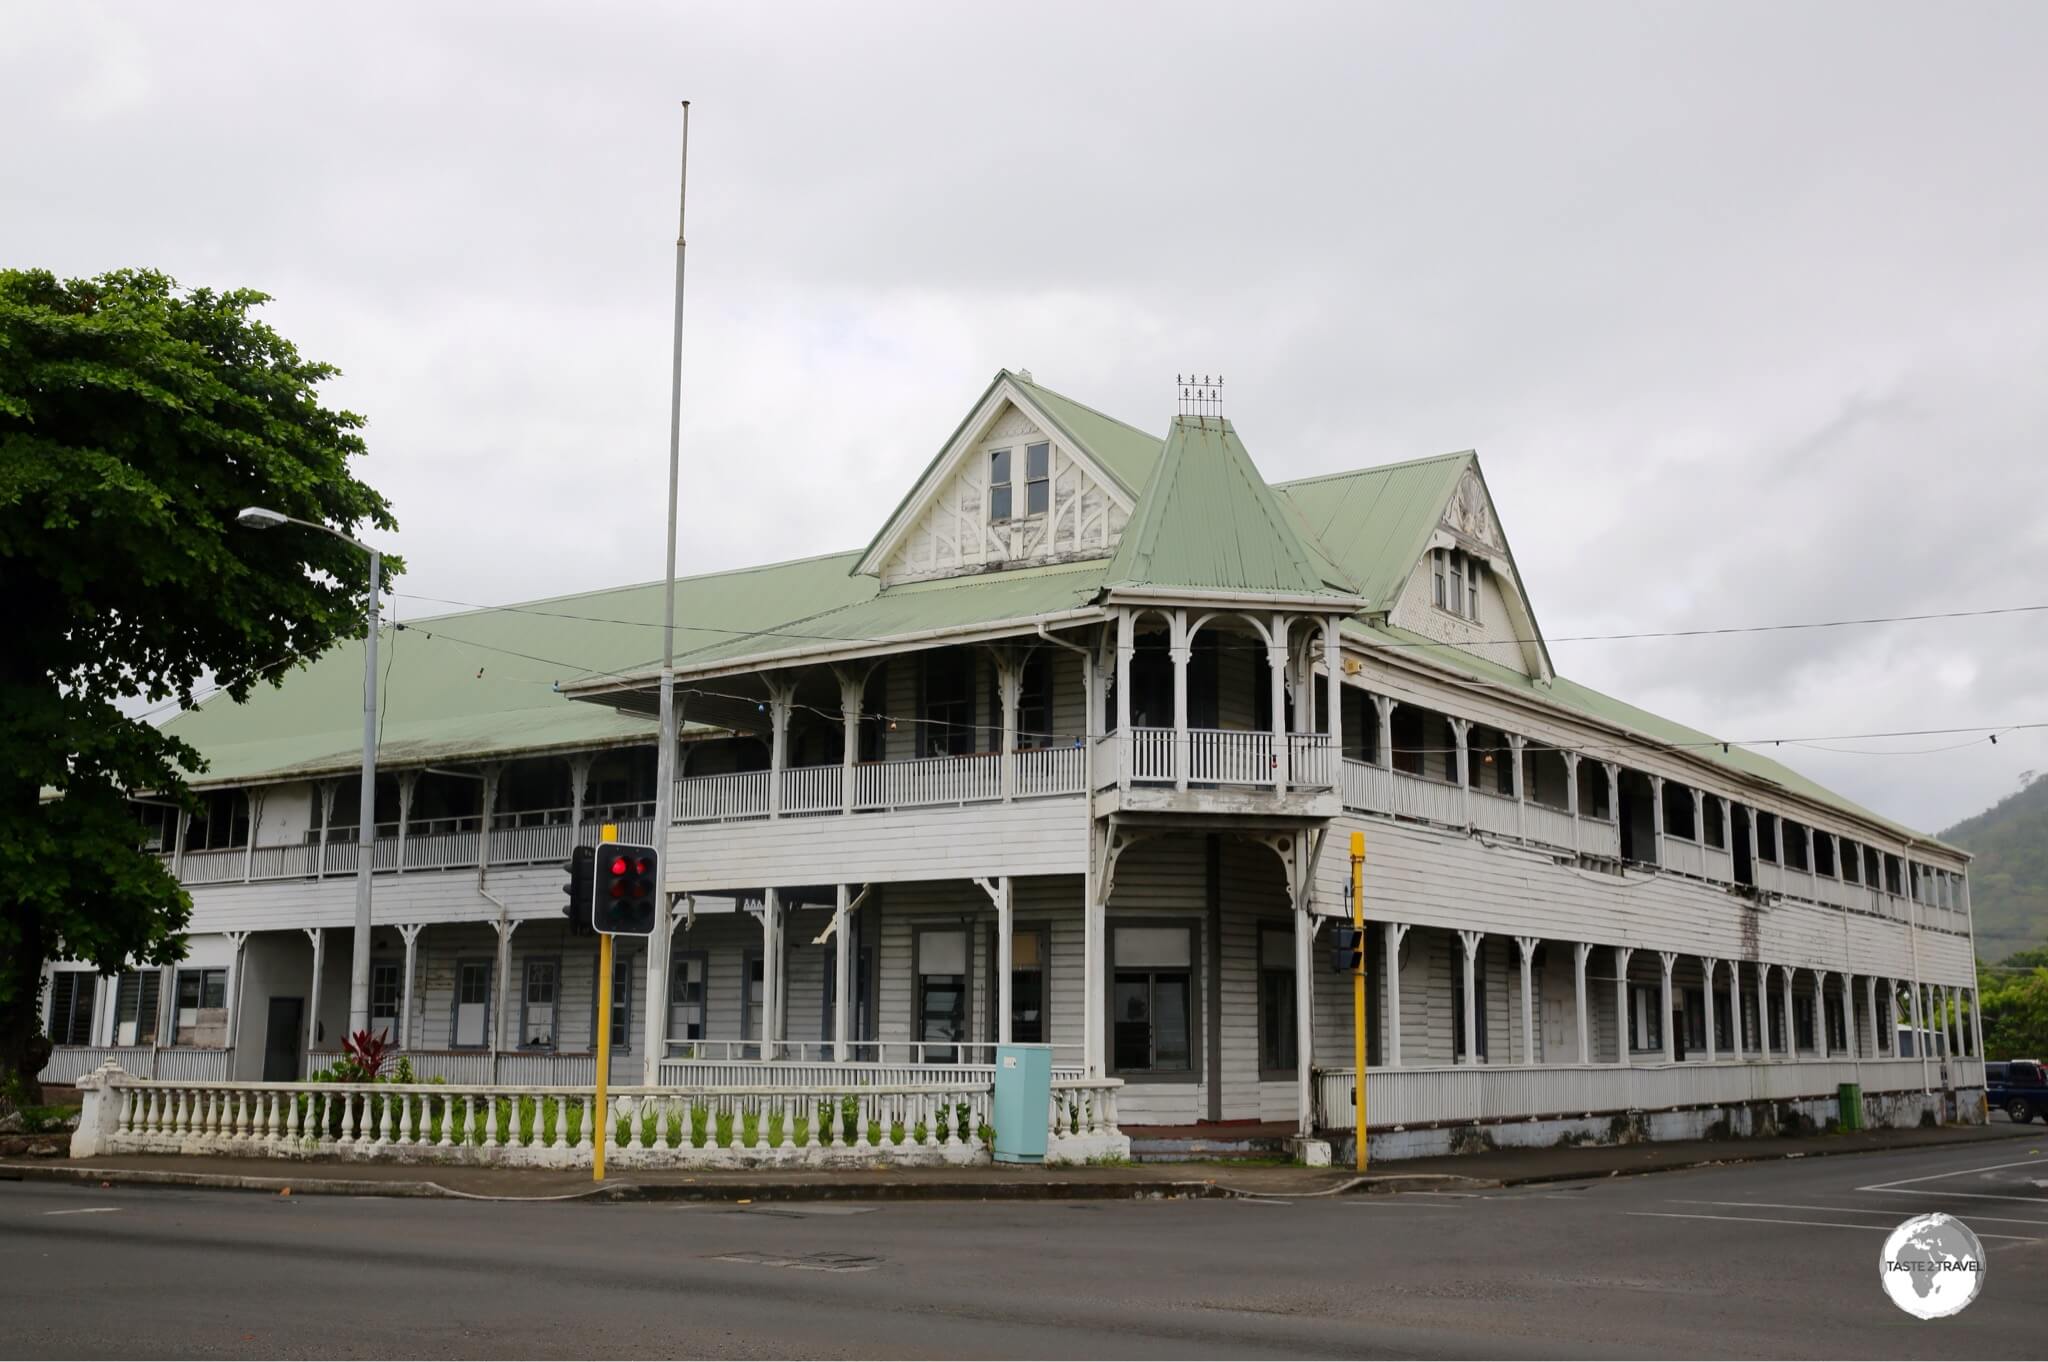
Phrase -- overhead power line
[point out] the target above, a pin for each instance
(1793, 626)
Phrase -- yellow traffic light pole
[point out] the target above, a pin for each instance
(1358, 992)
(600, 1117)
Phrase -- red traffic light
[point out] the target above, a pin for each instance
(620, 865)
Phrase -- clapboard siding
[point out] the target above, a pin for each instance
(1027, 837)
(1449, 879)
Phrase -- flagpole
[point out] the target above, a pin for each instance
(665, 762)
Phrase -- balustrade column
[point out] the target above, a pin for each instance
(1516, 742)
(1304, 1015)
(407, 780)
(1126, 644)
(1333, 697)
(1735, 1008)
(771, 972)
(852, 697)
(1763, 1010)
(1179, 649)
(1006, 930)
(579, 790)
(843, 960)
(1471, 941)
(1527, 946)
(1622, 955)
(178, 844)
(1571, 795)
(1708, 965)
(255, 825)
(494, 775)
(1461, 730)
(1009, 690)
(1383, 746)
(1580, 950)
(1395, 932)
(325, 798)
(1820, 1010)
(1976, 1025)
(410, 934)
(318, 936)
(1791, 1030)
(1657, 821)
(781, 698)
(1699, 842)
(1812, 875)
(501, 1024)
(1665, 1026)
(234, 998)
(1870, 1010)
(1276, 662)
(1614, 800)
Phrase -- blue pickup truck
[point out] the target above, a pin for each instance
(2018, 1087)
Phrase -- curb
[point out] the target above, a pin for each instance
(642, 1191)
(1734, 1156)
(1372, 1184)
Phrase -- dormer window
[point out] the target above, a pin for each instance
(1002, 485)
(1454, 580)
(1037, 478)
(999, 484)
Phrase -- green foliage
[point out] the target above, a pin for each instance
(2016, 1015)
(135, 422)
(2009, 875)
(700, 1123)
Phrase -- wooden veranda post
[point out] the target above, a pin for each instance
(1358, 992)
(601, 1118)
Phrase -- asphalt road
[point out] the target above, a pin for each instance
(1774, 1259)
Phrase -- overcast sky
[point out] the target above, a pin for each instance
(1743, 307)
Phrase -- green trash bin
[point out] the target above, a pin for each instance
(1849, 1106)
(1023, 1102)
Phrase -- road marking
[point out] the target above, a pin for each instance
(85, 1210)
(1840, 1210)
(1905, 1188)
(1817, 1224)
(1471, 1196)
(809, 1262)
(800, 1209)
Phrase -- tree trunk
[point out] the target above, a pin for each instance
(24, 1050)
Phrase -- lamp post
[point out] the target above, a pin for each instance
(260, 518)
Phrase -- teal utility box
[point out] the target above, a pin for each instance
(1023, 1102)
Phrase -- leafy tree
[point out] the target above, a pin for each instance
(2015, 1015)
(136, 419)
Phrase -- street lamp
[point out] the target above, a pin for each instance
(262, 518)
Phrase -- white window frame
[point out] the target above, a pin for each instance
(528, 1008)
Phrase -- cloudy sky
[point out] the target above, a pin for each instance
(1743, 307)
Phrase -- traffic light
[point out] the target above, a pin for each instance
(581, 888)
(1347, 948)
(628, 893)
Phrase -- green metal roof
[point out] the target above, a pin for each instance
(1375, 522)
(1123, 450)
(1592, 704)
(482, 682)
(1207, 522)
(912, 609)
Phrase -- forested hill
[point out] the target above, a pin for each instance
(2009, 877)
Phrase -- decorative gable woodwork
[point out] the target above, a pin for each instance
(1469, 533)
(952, 530)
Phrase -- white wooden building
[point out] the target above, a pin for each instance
(1069, 753)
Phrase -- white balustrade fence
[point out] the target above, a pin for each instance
(712, 799)
(68, 1063)
(1481, 1092)
(1222, 756)
(1309, 759)
(923, 782)
(1151, 755)
(1050, 770)
(813, 789)
(834, 1125)
(1495, 814)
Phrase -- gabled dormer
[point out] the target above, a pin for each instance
(1029, 477)
(1426, 547)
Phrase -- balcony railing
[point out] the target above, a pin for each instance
(1499, 1092)
(911, 783)
(1216, 756)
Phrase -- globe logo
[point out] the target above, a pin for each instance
(1932, 1266)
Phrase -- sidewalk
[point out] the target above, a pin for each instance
(1500, 1168)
